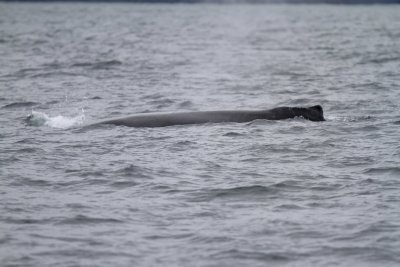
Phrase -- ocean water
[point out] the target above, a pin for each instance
(265, 193)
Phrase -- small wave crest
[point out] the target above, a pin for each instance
(383, 170)
(37, 118)
(349, 118)
(253, 191)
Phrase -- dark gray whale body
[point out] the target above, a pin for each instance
(314, 113)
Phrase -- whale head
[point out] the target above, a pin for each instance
(314, 113)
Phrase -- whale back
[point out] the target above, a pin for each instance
(314, 113)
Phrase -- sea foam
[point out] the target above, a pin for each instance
(37, 118)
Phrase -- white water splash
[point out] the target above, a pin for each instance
(37, 118)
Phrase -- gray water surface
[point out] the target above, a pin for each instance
(265, 193)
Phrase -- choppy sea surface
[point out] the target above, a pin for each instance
(265, 193)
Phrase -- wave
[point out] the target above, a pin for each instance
(98, 64)
(392, 170)
(22, 104)
(82, 219)
(133, 171)
(68, 239)
(123, 184)
(379, 60)
(185, 104)
(233, 134)
(37, 118)
(254, 255)
(252, 191)
(26, 221)
(30, 182)
(55, 73)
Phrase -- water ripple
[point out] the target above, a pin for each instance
(82, 219)
(98, 64)
(253, 255)
(23, 104)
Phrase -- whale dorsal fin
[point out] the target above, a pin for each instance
(317, 107)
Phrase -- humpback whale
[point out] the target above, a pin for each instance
(314, 113)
